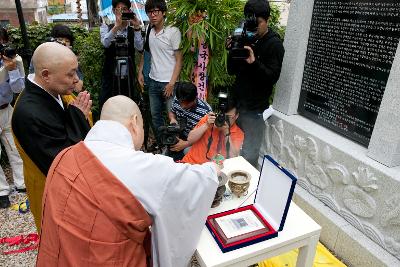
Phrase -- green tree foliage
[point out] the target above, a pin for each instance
(87, 46)
(221, 17)
(274, 21)
(91, 57)
(53, 10)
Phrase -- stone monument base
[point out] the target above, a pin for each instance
(354, 198)
(351, 246)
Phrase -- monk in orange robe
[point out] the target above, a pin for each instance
(103, 194)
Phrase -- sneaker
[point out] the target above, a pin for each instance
(21, 190)
(4, 202)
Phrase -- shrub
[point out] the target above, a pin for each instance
(87, 46)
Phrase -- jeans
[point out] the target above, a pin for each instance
(158, 104)
(253, 126)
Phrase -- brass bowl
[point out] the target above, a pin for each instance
(239, 182)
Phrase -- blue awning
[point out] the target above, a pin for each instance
(107, 10)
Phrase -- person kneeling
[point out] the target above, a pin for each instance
(186, 112)
(215, 134)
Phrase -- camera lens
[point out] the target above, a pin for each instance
(219, 120)
(171, 140)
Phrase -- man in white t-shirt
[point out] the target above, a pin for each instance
(166, 61)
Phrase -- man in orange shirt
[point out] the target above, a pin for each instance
(209, 140)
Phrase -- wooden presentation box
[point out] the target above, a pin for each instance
(233, 229)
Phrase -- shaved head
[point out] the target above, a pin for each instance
(50, 56)
(119, 108)
(55, 68)
(125, 111)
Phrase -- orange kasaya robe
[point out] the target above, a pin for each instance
(89, 217)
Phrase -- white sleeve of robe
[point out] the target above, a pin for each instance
(177, 196)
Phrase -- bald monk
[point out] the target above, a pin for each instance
(42, 124)
(103, 194)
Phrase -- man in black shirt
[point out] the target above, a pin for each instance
(255, 78)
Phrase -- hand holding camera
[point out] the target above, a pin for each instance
(210, 119)
(251, 57)
(9, 63)
(242, 38)
(181, 145)
(169, 135)
(8, 55)
(221, 119)
(119, 23)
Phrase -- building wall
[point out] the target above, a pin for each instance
(11, 17)
(74, 7)
(56, 2)
(33, 10)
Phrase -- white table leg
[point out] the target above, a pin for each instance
(307, 253)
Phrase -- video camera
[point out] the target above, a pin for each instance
(221, 118)
(121, 57)
(244, 35)
(169, 134)
(7, 51)
(121, 46)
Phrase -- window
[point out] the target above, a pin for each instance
(4, 23)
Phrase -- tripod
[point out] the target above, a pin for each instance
(123, 78)
(124, 82)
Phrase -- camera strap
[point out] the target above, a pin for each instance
(219, 145)
(228, 144)
(146, 45)
(210, 140)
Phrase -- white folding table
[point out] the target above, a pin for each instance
(300, 231)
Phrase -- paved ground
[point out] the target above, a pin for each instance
(12, 223)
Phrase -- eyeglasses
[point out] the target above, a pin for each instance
(122, 9)
(153, 12)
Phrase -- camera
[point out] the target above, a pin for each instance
(121, 46)
(221, 118)
(128, 16)
(7, 51)
(244, 35)
(169, 134)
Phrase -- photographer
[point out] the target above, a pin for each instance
(127, 30)
(256, 75)
(186, 107)
(11, 81)
(215, 134)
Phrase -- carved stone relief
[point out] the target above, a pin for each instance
(391, 212)
(349, 193)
